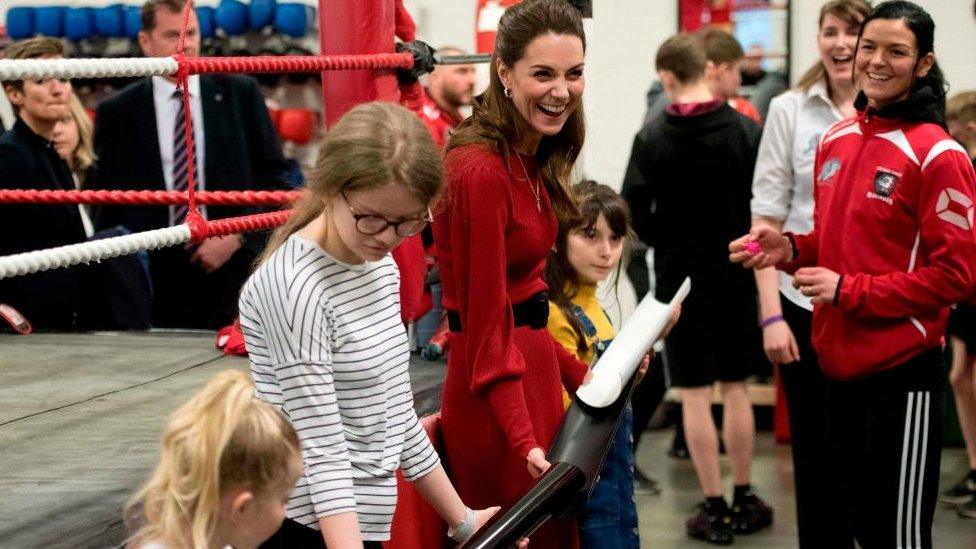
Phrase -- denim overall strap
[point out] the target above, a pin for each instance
(599, 345)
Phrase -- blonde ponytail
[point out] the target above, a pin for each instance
(224, 437)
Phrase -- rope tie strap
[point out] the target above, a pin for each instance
(147, 198)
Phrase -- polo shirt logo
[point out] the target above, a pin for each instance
(829, 170)
(885, 181)
(956, 208)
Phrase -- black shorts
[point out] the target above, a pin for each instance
(962, 325)
(714, 340)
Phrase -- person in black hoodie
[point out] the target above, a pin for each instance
(689, 185)
(28, 160)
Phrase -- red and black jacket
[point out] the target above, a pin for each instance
(894, 217)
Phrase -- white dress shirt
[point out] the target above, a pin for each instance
(166, 105)
(782, 186)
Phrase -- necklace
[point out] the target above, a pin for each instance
(535, 188)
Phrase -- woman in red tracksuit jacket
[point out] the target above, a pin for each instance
(892, 248)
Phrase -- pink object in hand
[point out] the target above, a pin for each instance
(753, 247)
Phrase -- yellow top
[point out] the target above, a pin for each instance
(562, 331)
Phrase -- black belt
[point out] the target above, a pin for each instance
(533, 312)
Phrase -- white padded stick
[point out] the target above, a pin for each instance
(41, 69)
(93, 250)
(624, 355)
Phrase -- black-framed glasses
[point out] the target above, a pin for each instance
(370, 224)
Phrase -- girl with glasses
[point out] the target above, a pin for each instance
(321, 320)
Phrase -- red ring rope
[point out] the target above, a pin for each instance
(147, 198)
(295, 63)
(201, 229)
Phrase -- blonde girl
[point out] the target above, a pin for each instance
(321, 319)
(228, 464)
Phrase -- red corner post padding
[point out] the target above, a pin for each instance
(415, 524)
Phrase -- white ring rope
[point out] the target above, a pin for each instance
(41, 69)
(94, 250)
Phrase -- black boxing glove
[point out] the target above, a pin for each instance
(423, 61)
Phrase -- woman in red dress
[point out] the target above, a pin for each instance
(509, 169)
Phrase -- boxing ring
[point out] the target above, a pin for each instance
(80, 421)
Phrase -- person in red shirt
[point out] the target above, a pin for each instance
(891, 249)
(449, 89)
(509, 167)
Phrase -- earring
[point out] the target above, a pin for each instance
(508, 93)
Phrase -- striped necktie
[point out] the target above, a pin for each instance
(180, 176)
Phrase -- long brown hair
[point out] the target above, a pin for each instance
(223, 438)
(593, 199)
(497, 123)
(372, 145)
(852, 12)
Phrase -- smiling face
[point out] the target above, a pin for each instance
(392, 202)
(594, 252)
(546, 84)
(837, 41)
(887, 62)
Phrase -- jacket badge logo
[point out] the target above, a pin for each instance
(885, 181)
(829, 170)
(956, 208)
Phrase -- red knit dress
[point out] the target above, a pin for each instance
(502, 394)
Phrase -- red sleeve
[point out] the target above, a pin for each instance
(481, 209)
(571, 369)
(945, 223)
(403, 25)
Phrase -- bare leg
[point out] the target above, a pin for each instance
(738, 430)
(963, 379)
(702, 438)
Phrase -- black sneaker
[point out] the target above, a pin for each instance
(962, 493)
(967, 510)
(750, 514)
(711, 525)
(645, 485)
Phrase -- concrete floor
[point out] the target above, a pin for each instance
(662, 516)
(81, 416)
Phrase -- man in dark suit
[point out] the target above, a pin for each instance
(140, 145)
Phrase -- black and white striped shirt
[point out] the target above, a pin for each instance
(327, 346)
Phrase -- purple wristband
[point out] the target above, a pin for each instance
(767, 322)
